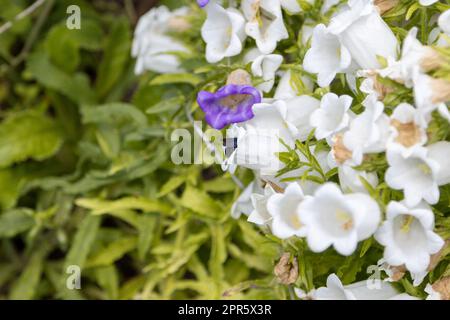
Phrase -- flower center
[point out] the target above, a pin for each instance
(345, 218)
(233, 100)
(424, 168)
(295, 220)
(264, 19)
(340, 152)
(408, 133)
(406, 224)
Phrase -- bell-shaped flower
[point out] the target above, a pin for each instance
(259, 146)
(363, 32)
(152, 46)
(283, 209)
(337, 219)
(299, 111)
(202, 3)
(243, 205)
(416, 175)
(431, 94)
(368, 131)
(264, 23)
(264, 66)
(260, 214)
(230, 104)
(427, 2)
(223, 31)
(408, 237)
(350, 179)
(326, 57)
(362, 290)
(444, 22)
(406, 131)
(332, 116)
(286, 91)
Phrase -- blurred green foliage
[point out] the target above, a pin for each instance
(86, 177)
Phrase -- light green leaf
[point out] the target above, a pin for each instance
(28, 135)
(188, 78)
(112, 252)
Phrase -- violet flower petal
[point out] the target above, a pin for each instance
(202, 3)
(230, 104)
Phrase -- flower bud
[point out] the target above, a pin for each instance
(239, 77)
(385, 5)
(286, 270)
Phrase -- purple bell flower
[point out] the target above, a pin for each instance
(230, 104)
(202, 3)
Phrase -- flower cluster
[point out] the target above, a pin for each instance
(359, 100)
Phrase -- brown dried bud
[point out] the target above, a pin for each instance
(431, 60)
(443, 288)
(408, 133)
(441, 90)
(239, 77)
(385, 5)
(275, 187)
(340, 151)
(179, 24)
(286, 270)
(398, 272)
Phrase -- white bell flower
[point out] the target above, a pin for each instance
(152, 46)
(299, 111)
(258, 147)
(265, 23)
(223, 31)
(363, 32)
(406, 131)
(429, 95)
(427, 2)
(260, 215)
(340, 220)
(419, 174)
(444, 22)
(243, 205)
(408, 236)
(326, 57)
(283, 209)
(362, 290)
(332, 116)
(265, 66)
(416, 175)
(368, 131)
(349, 179)
(286, 91)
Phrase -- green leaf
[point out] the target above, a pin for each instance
(170, 78)
(172, 184)
(76, 87)
(15, 221)
(112, 252)
(26, 285)
(99, 206)
(28, 135)
(200, 202)
(83, 241)
(116, 57)
(147, 225)
(108, 279)
(166, 105)
(117, 114)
